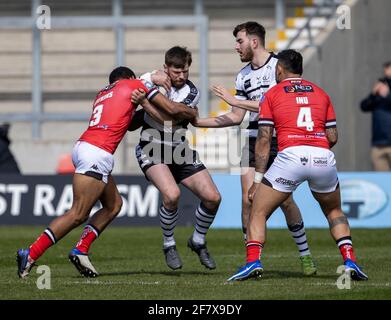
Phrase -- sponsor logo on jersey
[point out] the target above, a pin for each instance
(320, 162)
(147, 84)
(286, 182)
(94, 166)
(197, 163)
(247, 84)
(304, 160)
(298, 88)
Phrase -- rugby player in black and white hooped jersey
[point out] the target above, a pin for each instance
(164, 156)
(252, 82)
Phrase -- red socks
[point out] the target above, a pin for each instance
(345, 246)
(45, 240)
(90, 233)
(254, 250)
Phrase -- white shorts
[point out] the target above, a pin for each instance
(92, 161)
(294, 165)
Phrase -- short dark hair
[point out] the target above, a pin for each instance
(291, 61)
(387, 64)
(251, 28)
(178, 57)
(121, 73)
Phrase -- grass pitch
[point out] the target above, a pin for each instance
(132, 266)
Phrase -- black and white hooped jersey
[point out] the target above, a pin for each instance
(171, 135)
(252, 84)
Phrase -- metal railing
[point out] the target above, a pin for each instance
(307, 26)
(118, 23)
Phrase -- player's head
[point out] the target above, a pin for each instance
(250, 36)
(387, 69)
(177, 62)
(121, 73)
(290, 64)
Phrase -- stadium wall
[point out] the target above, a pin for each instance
(346, 64)
(36, 200)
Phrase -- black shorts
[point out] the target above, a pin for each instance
(149, 154)
(248, 153)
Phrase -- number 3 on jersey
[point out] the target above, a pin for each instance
(305, 119)
(96, 115)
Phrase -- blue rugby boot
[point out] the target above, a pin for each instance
(25, 263)
(354, 270)
(250, 270)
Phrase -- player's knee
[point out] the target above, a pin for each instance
(287, 205)
(171, 198)
(117, 205)
(215, 199)
(246, 203)
(79, 219)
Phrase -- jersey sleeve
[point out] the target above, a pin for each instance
(150, 89)
(240, 93)
(331, 121)
(193, 97)
(265, 112)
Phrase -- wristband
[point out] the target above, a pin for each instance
(258, 177)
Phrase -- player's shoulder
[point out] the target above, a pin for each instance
(275, 89)
(273, 55)
(244, 71)
(316, 89)
(191, 87)
(188, 94)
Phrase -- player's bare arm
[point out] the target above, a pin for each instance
(262, 152)
(138, 97)
(262, 148)
(332, 136)
(225, 95)
(159, 115)
(179, 111)
(233, 118)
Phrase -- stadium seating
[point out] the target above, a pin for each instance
(75, 63)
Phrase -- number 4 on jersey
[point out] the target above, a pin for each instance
(305, 119)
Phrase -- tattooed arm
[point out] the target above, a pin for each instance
(233, 118)
(262, 148)
(332, 136)
(262, 152)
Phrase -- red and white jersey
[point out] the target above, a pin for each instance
(300, 112)
(112, 113)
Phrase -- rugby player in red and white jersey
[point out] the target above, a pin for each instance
(305, 121)
(93, 159)
(252, 82)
